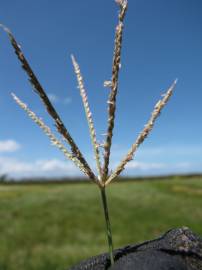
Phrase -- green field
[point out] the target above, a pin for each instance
(53, 226)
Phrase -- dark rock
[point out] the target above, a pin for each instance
(178, 249)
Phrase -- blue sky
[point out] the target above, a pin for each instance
(162, 41)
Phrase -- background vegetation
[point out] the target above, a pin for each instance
(53, 226)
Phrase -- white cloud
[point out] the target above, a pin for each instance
(48, 168)
(55, 165)
(55, 99)
(170, 150)
(177, 152)
(135, 168)
(9, 146)
(12, 166)
(184, 165)
(145, 166)
(17, 168)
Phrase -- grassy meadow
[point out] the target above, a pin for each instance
(53, 226)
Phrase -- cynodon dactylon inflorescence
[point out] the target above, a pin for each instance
(73, 153)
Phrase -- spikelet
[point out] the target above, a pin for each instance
(114, 86)
(50, 109)
(121, 2)
(88, 114)
(107, 84)
(145, 132)
(49, 133)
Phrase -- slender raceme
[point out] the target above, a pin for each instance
(49, 133)
(143, 135)
(88, 115)
(114, 86)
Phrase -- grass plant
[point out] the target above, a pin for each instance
(103, 178)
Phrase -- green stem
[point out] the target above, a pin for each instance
(108, 226)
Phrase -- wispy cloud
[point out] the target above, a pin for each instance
(53, 98)
(9, 146)
(155, 168)
(151, 161)
(145, 166)
(56, 99)
(170, 150)
(48, 168)
(176, 153)
(17, 169)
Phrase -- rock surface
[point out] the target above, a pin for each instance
(177, 249)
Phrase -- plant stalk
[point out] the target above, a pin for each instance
(108, 225)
